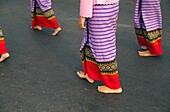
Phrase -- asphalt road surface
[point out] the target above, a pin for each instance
(40, 74)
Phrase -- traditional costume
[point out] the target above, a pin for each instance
(43, 14)
(148, 25)
(98, 48)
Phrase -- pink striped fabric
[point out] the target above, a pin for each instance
(100, 34)
(151, 15)
(43, 4)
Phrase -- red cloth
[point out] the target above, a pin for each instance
(44, 22)
(110, 80)
(154, 48)
(3, 48)
(142, 41)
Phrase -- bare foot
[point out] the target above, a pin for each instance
(56, 31)
(4, 57)
(82, 76)
(145, 53)
(38, 28)
(105, 89)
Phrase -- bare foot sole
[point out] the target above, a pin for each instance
(145, 53)
(38, 28)
(4, 57)
(56, 31)
(82, 76)
(104, 89)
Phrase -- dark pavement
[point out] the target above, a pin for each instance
(40, 75)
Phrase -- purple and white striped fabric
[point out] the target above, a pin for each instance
(102, 32)
(43, 4)
(151, 15)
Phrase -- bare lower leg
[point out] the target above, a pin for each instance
(105, 89)
(4, 57)
(82, 76)
(38, 27)
(145, 53)
(56, 31)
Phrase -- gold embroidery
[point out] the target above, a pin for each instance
(49, 14)
(139, 32)
(109, 68)
(151, 36)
